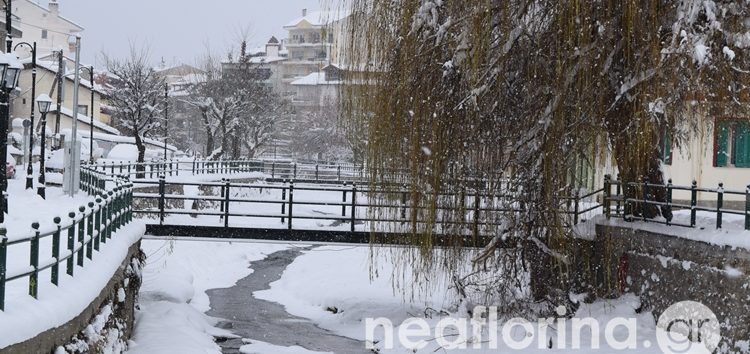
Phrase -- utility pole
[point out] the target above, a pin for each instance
(71, 178)
(9, 25)
(166, 118)
(91, 112)
(60, 84)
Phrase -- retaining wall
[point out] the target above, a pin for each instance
(664, 270)
(71, 332)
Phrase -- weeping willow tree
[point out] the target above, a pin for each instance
(499, 98)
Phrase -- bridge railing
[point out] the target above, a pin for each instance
(629, 206)
(291, 202)
(71, 241)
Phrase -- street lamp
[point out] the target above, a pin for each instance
(44, 103)
(10, 67)
(30, 169)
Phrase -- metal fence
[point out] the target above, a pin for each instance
(617, 204)
(393, 210)
(83, 232)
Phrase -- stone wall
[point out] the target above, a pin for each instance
(119, 316)
(664, 270)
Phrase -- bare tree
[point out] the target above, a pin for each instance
(136, 96)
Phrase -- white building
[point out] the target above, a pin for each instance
(45, 26)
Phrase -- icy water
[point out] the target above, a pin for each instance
(266, 321)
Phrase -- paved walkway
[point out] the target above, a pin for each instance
(266, 321)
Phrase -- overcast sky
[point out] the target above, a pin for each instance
(177, 29)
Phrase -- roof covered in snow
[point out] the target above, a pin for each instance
(314, 79)
(318, 18)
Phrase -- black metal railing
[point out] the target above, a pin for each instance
(230, 201)
(73, 239)
(630, 206)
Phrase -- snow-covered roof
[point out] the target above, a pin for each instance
(47, 11)
(86, 119)
(266, 60)
(318, 18)
(52, 67)
(125, 139)
(314, 79)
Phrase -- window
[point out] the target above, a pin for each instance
(732, 143)
(83, 110)
(44, 34)
(665, 146)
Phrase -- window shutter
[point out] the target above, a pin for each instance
(742, 143)
(666, 148)
(722, 144)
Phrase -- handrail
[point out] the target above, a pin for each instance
(481, 208)
(86, 229)
(643, 194)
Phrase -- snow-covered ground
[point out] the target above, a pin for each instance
(173, 297)
(325, 278)
(24, 316)
(335, 277)
(731, 234)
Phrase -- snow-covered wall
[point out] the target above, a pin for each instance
(666, 269)
(104, 325)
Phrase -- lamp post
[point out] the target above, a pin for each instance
(91, 112)
(10, 67)
(30, 168)
(166, 118)
(44, 103)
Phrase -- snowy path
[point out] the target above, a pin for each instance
(266, 321)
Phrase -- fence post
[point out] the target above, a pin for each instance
(354, 204)
(56, 251)
(719, 204)
(97, 222)
(34, 262)
(90, 231)
(221, 203)
(226, 203)
(645, 199)
(338, 173)
(3, 264)
(162, 191)
(81, 235)
(475, 226)
(105, 220)
(577, 206)
(747, 207)
(291, 204)
(607, 202)
(693, 202)
(343, 201)
(670, 189)
(317, 178)
(273, 169)
(71, 243)
(295, 170)
(283, 202)
(618, 191)
(193, 165)
(404, 196)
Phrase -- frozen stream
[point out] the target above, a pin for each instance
(252, 318)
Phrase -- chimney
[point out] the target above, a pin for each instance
(304, 12)
(54, 8)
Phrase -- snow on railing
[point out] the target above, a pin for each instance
(83, 232)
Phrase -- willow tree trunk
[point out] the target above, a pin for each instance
(639, 161)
